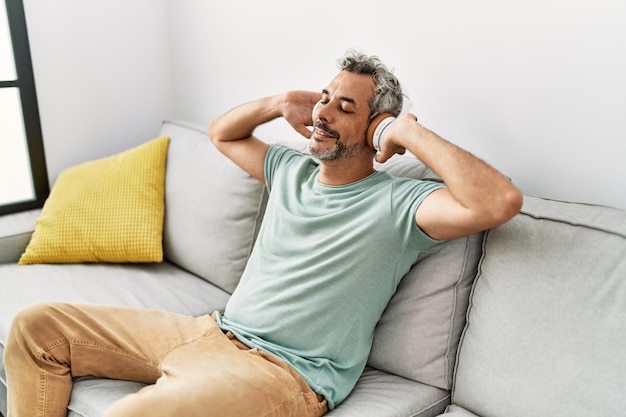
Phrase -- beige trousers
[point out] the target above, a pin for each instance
(194, 368)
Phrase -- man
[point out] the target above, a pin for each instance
(336, 240)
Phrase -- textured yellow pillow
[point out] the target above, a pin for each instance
(108, 210)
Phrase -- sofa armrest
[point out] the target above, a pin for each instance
(15, 232)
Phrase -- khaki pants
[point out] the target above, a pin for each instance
(194, 368)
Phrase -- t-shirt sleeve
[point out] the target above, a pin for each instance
(276, 157)
(407, 196)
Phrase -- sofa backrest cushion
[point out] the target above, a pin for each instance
(418, 334)
(213, 209)
(546, 326)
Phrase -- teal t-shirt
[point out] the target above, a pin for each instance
(326, 263)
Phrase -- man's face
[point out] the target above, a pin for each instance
(342, 119)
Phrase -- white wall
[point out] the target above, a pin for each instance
(102, 74)
(534, 87)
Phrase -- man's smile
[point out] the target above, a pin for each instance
(323, 132)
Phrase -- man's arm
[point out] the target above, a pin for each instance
(232, 133)
(477, 196)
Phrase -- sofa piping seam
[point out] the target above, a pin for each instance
(453, 315)
(467, 314)
(447, 399)
(571, 223)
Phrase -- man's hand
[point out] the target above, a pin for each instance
(296, 109)
(391, 142)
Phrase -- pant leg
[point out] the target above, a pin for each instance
(217, 376)
(49, 344)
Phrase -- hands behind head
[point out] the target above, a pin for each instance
(297, 109)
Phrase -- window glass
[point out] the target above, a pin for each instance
(16, 184)
(7, 67)
(23, 174)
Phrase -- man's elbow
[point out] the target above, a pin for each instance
(214, 133)
(510, 204)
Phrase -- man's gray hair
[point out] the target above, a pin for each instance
(388, 96)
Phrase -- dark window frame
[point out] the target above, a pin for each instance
(25, 82)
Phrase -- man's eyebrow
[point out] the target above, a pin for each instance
(342, 98)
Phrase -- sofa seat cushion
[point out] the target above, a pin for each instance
(377, 394)
(380, 394)
(91, 396)
(546, 330)
(161, 286)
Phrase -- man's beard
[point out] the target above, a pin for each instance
(337, 152)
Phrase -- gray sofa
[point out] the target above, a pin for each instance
(528, 319)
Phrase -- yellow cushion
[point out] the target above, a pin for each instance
(108, 210)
